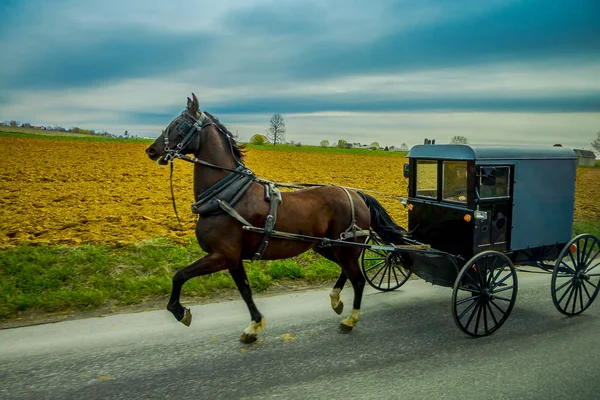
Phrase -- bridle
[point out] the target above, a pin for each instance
(189, 128)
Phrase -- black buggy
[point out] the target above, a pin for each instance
(478, 211)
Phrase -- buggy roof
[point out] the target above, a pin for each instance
(490, 152)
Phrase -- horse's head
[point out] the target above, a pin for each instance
(182, 135)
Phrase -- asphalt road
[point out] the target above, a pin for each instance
(406, 346)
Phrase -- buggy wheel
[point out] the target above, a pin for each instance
(484, 293)
(576, 275)
(381, 268)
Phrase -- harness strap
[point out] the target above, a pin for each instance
(275, 198)
(231, 211)
(351, 231)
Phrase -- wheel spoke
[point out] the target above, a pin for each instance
(498, 273)
(503, 289)
(580, 252)
(472, 315)
(570, 297)
(375, 266)
(478, 319)
(466, 300)
(373, 259)
(564, 276)
(588, 270)
(498, 307)
(502, 298)
(390, 269)
(502, 281)
(401, 270)
(589, 257)
(490, 277)
(470, 290)
(595, 287)
(586, 291)
(575, 300)
(466, 310)
(383, 276)
(492, 313)
(573, 259)
(563, 285)
(378, 252)
(565, 293)
(581, 298)
(568, 267)
(473, 279)
(395, 276)
(485, 319)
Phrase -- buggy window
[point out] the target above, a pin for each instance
(455, 181)
(498, 186)
(427, 178)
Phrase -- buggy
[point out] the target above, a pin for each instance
(480, 210)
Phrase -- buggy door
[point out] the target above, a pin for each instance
(493, 199)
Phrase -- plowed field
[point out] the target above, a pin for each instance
(72, 192)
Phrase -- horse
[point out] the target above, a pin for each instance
(230, 198)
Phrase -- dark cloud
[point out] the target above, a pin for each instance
(527, 30)
(283, 46)
(582, 103)
(105, 57)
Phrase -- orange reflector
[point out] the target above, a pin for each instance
(410, 207)
(573, 248)
(467, 218)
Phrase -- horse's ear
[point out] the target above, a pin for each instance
(196, 105)
(190, 104)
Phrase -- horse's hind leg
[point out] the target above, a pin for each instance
(257, 323)
(334, 296)
(206, 265)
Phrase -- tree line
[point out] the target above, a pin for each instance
(75, 129)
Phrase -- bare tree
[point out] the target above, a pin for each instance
(276, 132)
(596, 143)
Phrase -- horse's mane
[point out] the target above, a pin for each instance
(239, 150)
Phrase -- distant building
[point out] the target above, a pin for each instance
(585, 158)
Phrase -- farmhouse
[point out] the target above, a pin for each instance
(585, 158)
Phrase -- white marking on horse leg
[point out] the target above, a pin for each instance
(335, 297)
(255, 327)
(352, 319)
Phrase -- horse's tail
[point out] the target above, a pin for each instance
(382, 223)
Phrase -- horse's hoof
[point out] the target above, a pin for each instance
(345, 328)
(339, 308)
(187, 317)
(248, 338)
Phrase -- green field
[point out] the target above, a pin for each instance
(57, 279)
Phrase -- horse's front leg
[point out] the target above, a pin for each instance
(257, 322)
(206, 265)
(334, 296)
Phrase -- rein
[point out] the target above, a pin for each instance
(173, 193)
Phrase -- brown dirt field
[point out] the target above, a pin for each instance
(69, 192)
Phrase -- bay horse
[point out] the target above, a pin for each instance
(228, 196)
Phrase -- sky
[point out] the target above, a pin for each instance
(523, 72)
